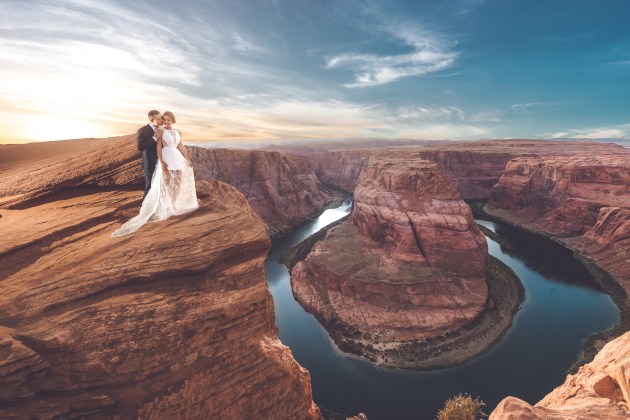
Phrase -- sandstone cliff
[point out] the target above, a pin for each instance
(283, 189)
(599, 390)
(173, 321)
(342, 168)
(582, 199)
(409, 265)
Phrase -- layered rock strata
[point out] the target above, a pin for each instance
(599, 390)
(473, 166)
(582, 200)
(173, 321)
(282, 188)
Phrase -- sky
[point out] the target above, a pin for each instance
(275, 70)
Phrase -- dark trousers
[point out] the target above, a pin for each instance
(149, 167)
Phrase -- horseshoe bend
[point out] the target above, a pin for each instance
(177, 319)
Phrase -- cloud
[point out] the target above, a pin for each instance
(526, 107)
(593, 133)
(486, 116)
(79, 68)
(429, 54)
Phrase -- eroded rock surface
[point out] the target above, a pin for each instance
(172, 321)
(282, 188)
(472, 166)
(599, 390)
(583, 200)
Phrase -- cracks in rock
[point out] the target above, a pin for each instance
(416, 237)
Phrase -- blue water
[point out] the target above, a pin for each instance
(562, 307)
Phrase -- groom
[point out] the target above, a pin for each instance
(147, 144)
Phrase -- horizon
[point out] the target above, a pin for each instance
(273, 72)
(342, 142)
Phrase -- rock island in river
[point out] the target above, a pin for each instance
(406, 281)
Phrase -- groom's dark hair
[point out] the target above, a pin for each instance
(152, 113)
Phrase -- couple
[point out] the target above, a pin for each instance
(169, 188)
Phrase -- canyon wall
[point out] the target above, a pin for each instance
(410, 205)
(599, 390)
(473, 166)
(283, 189)
(175, 320)
(340, 169)
(472, 172)
(583, 200)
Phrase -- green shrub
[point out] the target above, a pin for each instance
(461, 407)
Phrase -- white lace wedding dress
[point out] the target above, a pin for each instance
(172, 191)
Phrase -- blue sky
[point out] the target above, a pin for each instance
(245, 70)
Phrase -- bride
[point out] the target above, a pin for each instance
(173, 184)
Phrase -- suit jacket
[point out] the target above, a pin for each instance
(147, 145)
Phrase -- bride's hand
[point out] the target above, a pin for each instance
(164, 165)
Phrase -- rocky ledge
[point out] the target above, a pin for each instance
(403, 281)
(172, 321)
(599, 390)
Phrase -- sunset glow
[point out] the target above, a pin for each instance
(269, 70)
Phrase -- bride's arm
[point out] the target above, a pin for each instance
(182, 148)
(159, 151)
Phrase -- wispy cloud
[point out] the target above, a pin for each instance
(526, 107)
(620, 131)
(429, 54)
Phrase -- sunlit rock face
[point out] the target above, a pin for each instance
(172, 321)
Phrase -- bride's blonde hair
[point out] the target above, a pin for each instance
(170, 115)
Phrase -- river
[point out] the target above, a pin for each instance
(562, 307)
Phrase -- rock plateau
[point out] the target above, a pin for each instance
(174, 321)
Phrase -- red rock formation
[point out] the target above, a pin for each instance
(599, 390)
(282, 189)
(607, 243)
(473, 166)
(582, 199)
(340, 169)
(172, 321)
(408, 265)
(473, 172)
(410, 205)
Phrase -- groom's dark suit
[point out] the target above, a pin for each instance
(148, 146)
